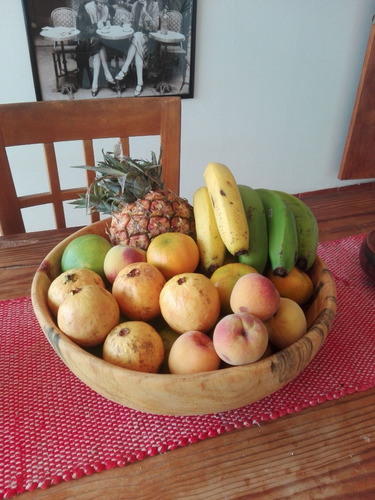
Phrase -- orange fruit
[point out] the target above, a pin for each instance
(190, 301)
(173, 253)
(225, 277)
(296, 285)
(137, 288)
(135, 345)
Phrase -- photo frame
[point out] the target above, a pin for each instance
(77, 51)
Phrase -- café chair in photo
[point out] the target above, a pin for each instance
(175, 52)
(64, 16)
(50, 122)
(64, 52)
(122, 16)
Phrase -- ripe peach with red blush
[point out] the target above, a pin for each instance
(240, 339)
(120, 256)
(193, 352)
(255, 294)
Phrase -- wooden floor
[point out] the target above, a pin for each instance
(343, 211)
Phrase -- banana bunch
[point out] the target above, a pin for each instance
(258, 226)
(292, 231)
(211, 247)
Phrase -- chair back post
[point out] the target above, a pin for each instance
(11, 221)
(171, 145)
(84, 120)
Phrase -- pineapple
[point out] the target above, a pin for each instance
(133, 193)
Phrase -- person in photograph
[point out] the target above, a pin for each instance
(91, 16)
(145, 18)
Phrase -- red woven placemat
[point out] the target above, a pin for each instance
(49, 419)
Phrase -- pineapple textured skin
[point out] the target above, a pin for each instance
(159, 211)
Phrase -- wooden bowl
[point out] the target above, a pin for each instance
(195, 394)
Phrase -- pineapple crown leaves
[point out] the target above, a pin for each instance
(119, 180)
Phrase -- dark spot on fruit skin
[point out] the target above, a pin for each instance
(123, 332)
(222, 192)
(181, 281)
(68, 278)
(133, 273)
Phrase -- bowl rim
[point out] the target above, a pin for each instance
(194, 394)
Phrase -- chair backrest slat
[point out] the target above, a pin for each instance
(50, 122)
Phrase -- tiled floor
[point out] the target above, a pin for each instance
(49, 91)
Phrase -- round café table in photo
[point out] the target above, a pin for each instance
(115, 32)
(115, 38)
(162, 41)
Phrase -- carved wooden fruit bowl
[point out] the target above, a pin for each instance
(201, 393)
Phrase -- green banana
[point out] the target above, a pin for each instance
(228, 208)
(282, 232)
(212, 250)
(307, 230)
(257, 255)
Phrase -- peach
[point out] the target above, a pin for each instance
(240, 339)
(193, 352)
(287, 325)
(255, 294)
(120, 256)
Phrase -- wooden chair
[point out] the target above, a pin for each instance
(50, 122)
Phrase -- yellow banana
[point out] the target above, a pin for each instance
(228, 208)
(211, 247)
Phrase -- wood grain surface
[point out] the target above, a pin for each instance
(326, 451)
(322, 452)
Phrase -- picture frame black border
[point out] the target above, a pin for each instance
(34, 65)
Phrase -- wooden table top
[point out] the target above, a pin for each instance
(326, 451)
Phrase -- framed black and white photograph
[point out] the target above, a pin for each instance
(87, 49)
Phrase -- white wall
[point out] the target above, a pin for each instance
(275, 83)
